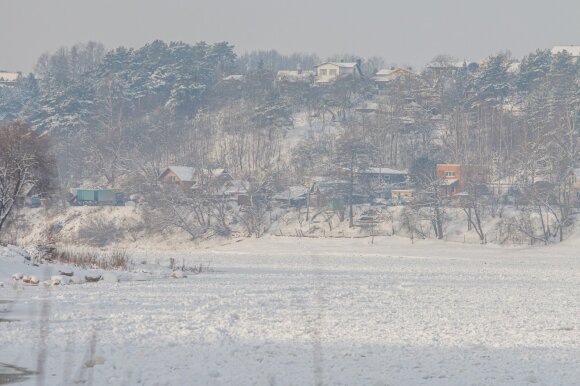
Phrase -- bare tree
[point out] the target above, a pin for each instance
(475, 207)
(354, 154)
(24, 165)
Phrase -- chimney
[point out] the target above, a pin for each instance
(299, 69)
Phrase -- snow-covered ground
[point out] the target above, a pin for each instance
(291, 311)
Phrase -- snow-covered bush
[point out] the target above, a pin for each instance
(99, 231)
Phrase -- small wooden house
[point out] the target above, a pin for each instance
(293, 196)
(325, 191)
(237, 191)
(190, 177)
(385, 76)
(178, 175)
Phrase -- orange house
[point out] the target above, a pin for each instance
(449, 176)
(454, 177)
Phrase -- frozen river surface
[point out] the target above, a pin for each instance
(312, 312)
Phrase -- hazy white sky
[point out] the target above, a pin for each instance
(402, 31)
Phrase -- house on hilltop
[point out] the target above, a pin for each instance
(190, 177)
(9, 78)
(573, 51)
(178, 175)
(385, 76)
(331, 71)
(446, 68)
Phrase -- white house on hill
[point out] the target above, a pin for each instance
(388, 75)
(330, 71)
(573, 51)
(9, 78)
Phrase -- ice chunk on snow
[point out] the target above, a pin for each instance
(77, 280)
(30, 280)
(58, 280)
(110, 277)
(98, 360)
(140, 277)
(178, 275)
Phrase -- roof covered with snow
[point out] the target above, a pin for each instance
(453, 64)
(294, 75)
(184, 173)
(339, 64)
(514, 67)
(448, 181)
(292, 193)
(187, 173)
(233, 78)
(236, 187)
(385, 72)
(218, 172)
(572, 50)
(381, 170)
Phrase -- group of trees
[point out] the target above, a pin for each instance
(25, 166)
(118, 117)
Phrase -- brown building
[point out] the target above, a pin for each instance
(178, 175)
(455, 177)
(449, 177)
(190, 177)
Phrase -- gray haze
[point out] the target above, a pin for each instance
(403, 31)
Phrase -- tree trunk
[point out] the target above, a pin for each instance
(350, 195)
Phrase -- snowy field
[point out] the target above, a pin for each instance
(287, 311)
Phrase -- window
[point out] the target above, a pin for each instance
(449, 174)
(332, 72)
(322, 72)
